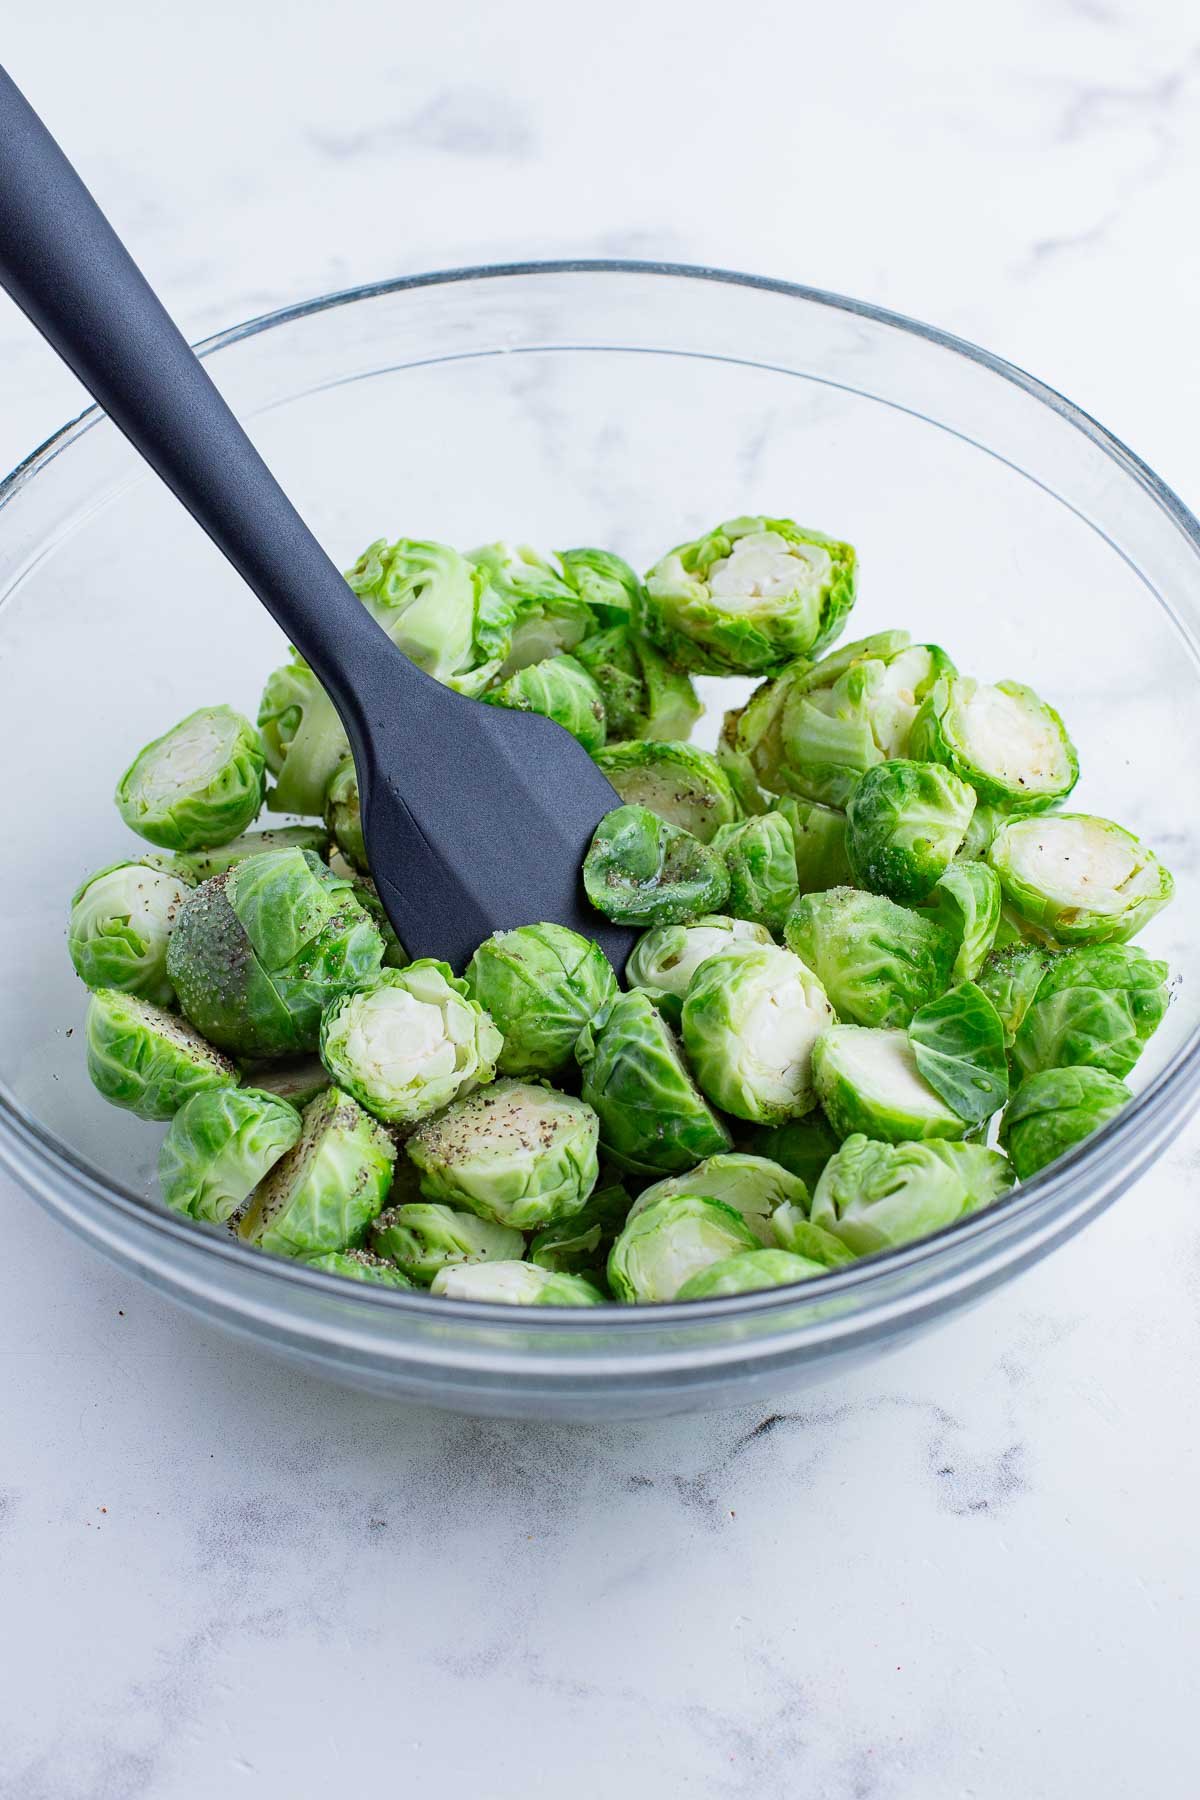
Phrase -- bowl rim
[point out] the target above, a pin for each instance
(1164, 1104)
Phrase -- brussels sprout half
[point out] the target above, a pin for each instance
(665, 959)
(517, 1153)
(1082, 879)
(1011, 747)
(652, 1116)
(959, 1047)
(343, 814)
(541, 984)
(1056, 1109)
(1010, 977)
(147, 1060)
(683, 784)
(639, 870)
(514, 1284)
(819, 840)
(750, 1020)
(749, 1271)
(523, 597)
(869, 1084)
(751, 1185)
(425, 595)
(904, 824)
(357, 1265)
(644, 695)
(966, 902)
(324, 1193)
(423, 1237)
(121, 919)
(605, 582)
(219, 1146)
(195, 866)
(670, 1242)
(1096, 1007)
(760, 857)
(877, 961)
(560, 689)
(304, 739)
(874, 1196)
(201, 783)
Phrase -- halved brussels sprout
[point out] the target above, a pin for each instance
(670, 1242)
(874, 1196)
(201, 783)
(793, 1230)
(801, 1146)
(304, 739)
(749, 1271)
(819, 838)
(644, 695)
(324, 1193)
(958, 1043)
(424, 595)
(665, 959)
(580, 1245)
(877, 961)
(760, 856)
(1056, 1109)
(1011, 747)
(1010, 977)
(514, 1284)
(195, 866)
(652, 1116)
(869, 1084)
(966, 902)
(296, 1082)
(1097, 1007)
(605, 581)
(410, 1043)
(560, 689)
(541, 984)
(257, 953)
(639, 870)
(517, 1153)
(121, 919)
(1082, 879)
(750, 1020)
(421, 1237)
(524, 596)
(683, 784)
(357, 1265)
(749, 596)
(147, 1060)
(904, 824)
(219, 1146)
(752, 1185)
(343, 814)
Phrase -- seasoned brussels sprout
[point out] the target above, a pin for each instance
(875, 1196)
(517, 1153)
(422, 1237)
(410, 1043)
(358, 1265)
(297, 1082)
(1010, 977)
(760, 856)
(752, 1185)
(425, 597)
(514, 1284)
(304, 739)
(877, 961)
(257, 953)
(749, 596)
(219, 1146)
(1096, 1007)
(1056, 1109)
(343, 814)
(605, 581)
(819, 838)
(580, 1245)
(670, 1242)
(801, 1146)
(683, 784)
(793, 1230)
(541, 984)
(560, 689)
(195, 866)
(147, 1060)
(639, 870)
(869, 1083)
(958, 1043)
(750, 1020)
(324, 1193)
(1082, 879)
(652, 1116)
(665, 959)
(966, 902)
(121, 919)
(644, 695)
(749, 1271)
(904, 824)
(395, 956)
(201, 783)
(1011, 747)
(523, 594)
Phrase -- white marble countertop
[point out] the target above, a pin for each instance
(970, 1572)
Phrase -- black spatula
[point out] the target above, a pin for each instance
(475, 818)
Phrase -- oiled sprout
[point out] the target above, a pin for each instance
(641, 871)
(750, 596)
(516, 1153)
(760, 856)
(423, 1237)
(425, 596)
(905, 822)
(966, 902)
(304, 739)
(869, 1083)
(201, 783)
(751, 1185)
(514, 1284)
(1081, 879)
(219, 1146)
(1010, 746)
(874, 1196)
(195, 866)
(644, 695)
(959, 1045)
(147, 1060)
(560, 688)
(605, 581)
(653, 1117)
(541, 984)
(343, 814)
(749, 1271)
(580, 1245)
(1095, 1007)
(877, 961)
(683, 784)
(665, 959)
(1010, 977)
(1056, 1109)
(525, 600)
(358, 1265)
(325, 1192)
(664, 1246)
(750, 1021)
(819, 841)
(121, 919)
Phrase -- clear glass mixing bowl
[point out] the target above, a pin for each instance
(628, 405)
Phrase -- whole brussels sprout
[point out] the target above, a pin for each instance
(258, 952)
(904, 824)
(644, 695)
(874, 1196)
(1056, 1109)
(219, 1146)
(1096, 1007)
(560, 689)
(665, 959)
(801, 1146)
(357, 1265)
(869, 1084)
(749, 596)
(516, 1153)
(760, 856)
(343, 814)
(201, 783)
(877, 961)
(966, 902)
(652, 1116)
(1082, 879)
(525, 597)
(410, 1043)
(304, 739)
(121, 919)
(541, 984)
(794, 1231)
(425, 596)
(819, 840)
(749, 1271)
(514, 1284)
(1010, 746)
(752, 1185)
(666, 1245)
(195, 866)
(605, 582)
(423, 1237)
(683, 784)
(580, 1245)
(324, 1193)
(1010, 977)
(958, 1043)
(639, 870)
(147, 1060)
(750, 1020)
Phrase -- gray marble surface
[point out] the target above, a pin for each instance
(966, 1574)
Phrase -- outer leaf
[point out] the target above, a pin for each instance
(958, 1042)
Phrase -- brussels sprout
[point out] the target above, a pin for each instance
(801, 1146)
(324, 1193)
(517, 1153)
(966, 902)
(904, 824)
(580, 1245)
(514, 1284)
(523, 594)
(1011, 747)
(749, 1271)
(410, 1043)
(652, 1117)
(424, 595)
(219, 1146)
(257, 953)
(665, 959)
(639, 870)
(819, 838)
(683, 784)
(985, 823)
(875, 1196)
(606, 582)
(749, 596)
(644, 695)
(541, 984)
(296, 1082)
(958, 1043)
(304, 739)
(760, 855)
(121, 919)
(358, 1265)
(1010, 977)
(753, 1187)
(987, 1173)
(670, 1242)
(1082, 879)
(343, 814)
(201, 783)
(1056, 1109)
(750, 1020)
(793, 1230)
(395, 956)
(147, 1060)
(195, 866)
(869, 1083)
(560, 689)
(1097, 1007)
(877, 961)
(422, 1237)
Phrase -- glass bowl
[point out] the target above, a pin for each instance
(629, 405)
